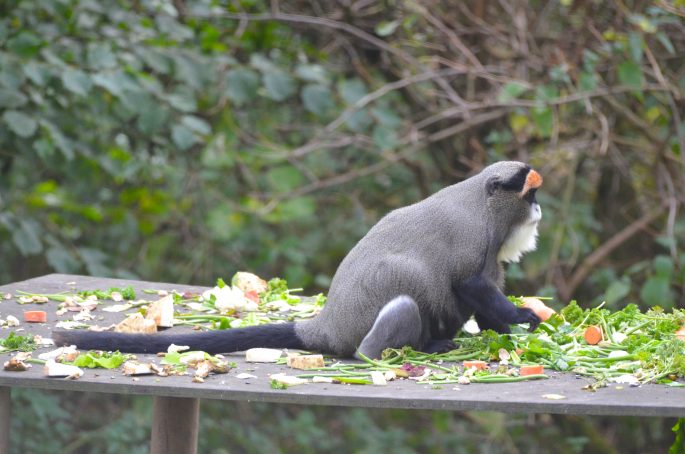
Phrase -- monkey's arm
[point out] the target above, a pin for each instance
(492, 309)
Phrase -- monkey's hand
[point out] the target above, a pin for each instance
(492, 309)
(526, 315)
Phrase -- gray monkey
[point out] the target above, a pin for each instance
(413, 279)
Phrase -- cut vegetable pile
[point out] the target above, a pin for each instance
(626, 346)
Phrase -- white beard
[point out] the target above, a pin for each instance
(522, 239)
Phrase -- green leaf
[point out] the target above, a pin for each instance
(351, 90)
(241, 85)
(317, 99)
(183, 137)
(20, 123)
(26, 236)
(656, 291)
(386, 116)
(312, 73)
(299, 208)
(38, 74)
(284, 178)
(387, 28)
(25, 44)
(617, 291)
(663, 266)
(279, 85)
(183, 99)
(152, 119)
(61, 260)
(77, 81)
(196, 124)
(384, 137)
(511, 90)
(11, 99)
(98, 359)
(630, 74)
(635, 45)
(543, 118)
(100, 56)
(587, 81)
(666, 42)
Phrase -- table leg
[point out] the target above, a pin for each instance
(175, 422)
(5, 417)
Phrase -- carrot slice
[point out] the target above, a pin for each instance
(680, 334)
(534, 369)
(36, 316)
(536, 305)
(593, 334)
(480, 365)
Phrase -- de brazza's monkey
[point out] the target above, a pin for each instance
(414, 279)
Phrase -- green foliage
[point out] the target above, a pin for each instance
(105, 360)
(17, 342)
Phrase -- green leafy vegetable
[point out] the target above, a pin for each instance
(98, 359)
(16, 342)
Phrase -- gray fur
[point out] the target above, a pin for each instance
(425, 251)
(397, 324)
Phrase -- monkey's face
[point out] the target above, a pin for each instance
(512, 188)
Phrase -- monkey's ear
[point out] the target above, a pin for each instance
(493, 185)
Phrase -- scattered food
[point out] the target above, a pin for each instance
(478, 365)
(534, 369)
(287, 380)
(553, 396)
(55, 369)
(593, 334)
(136, 323)
(297, 361)
(536, 305)
(262, 355)
(16, 365)
(378, 378)
(162, 312)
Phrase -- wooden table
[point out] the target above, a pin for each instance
(176, 398)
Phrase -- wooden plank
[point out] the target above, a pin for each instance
(5, 418)
(175, 422)
(523, 397)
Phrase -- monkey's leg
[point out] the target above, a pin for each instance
(492, 307)
(397, 324)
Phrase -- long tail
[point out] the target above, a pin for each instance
(279, 335)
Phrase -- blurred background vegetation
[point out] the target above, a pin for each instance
(185, 140)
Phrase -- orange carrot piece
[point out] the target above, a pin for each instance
(680, 334)
(534, 369)
(36, 316)
(480, 365)
(593, 334)
(536, 305)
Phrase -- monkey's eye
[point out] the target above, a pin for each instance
(530, 196)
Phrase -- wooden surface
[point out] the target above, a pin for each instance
(175, 422)
(523, 397)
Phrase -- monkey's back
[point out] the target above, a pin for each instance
(421, 250)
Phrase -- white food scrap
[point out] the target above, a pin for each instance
(54, 369)
(136, 323)
(262, 355)
(297, 361)
(288, 380)
(378, 378)
(162, 312)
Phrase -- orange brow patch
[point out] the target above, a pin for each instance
(533, 181)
